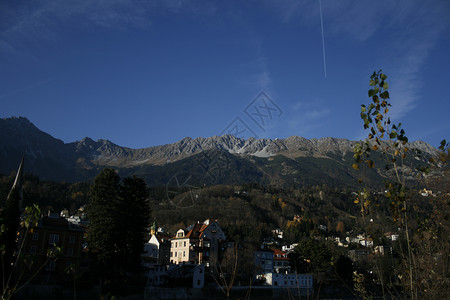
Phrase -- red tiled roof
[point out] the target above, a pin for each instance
(279, 255)
(196, 229)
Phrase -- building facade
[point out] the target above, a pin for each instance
(50, 233)
(281, 262)
(282, 280)
(202, 243)
(157, 249)
(264, 261)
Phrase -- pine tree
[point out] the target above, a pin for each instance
(136, 220)
(119, 216)
(104, 228)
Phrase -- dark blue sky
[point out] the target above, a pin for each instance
(144, 73)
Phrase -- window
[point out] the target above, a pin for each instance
(33, 249)
(50, 266)
(70, 251)
(175, 254)
(171, 253)
(35, 236)
(184, 253)
(198, 282)
(72, 239)
(54, 238)
(180, 234)
(184, 243)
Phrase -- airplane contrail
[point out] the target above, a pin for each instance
(27, 87)
(323, 40)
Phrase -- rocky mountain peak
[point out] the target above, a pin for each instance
(19, 135)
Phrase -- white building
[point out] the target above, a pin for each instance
(382, 250)
(157, 249)
(151, 248)
(280, 280)
(366, 242)
(289, 248)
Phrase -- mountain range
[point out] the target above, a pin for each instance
(204, 161)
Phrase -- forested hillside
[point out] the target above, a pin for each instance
(248, 210)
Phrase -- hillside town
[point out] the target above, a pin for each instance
(307, 257)
(194, 258)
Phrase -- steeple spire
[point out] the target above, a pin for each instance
(154, 228)
(18, 183)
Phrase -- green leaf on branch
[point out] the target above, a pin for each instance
(384, 95)
(443, 145)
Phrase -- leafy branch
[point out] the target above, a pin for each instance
(12, 285)
(390, 140)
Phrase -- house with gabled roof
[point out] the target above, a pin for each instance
(157, 249)
(202, 243)
(281, 262)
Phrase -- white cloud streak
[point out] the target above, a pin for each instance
(260, 77)
(419, 37)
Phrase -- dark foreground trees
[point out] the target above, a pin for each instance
(119, 215)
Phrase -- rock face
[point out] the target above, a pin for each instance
(50, 158)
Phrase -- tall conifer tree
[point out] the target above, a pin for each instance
(136, 220)
(119, 216)
(104, 228)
